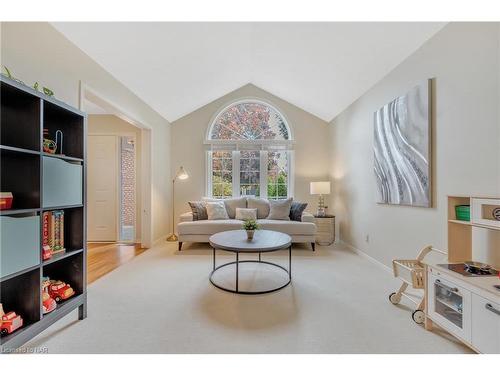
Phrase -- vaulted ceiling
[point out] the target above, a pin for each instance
(178, 67)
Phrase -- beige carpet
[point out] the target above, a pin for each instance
(162, 302)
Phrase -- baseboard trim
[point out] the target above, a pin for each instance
(366, 256)
(160, 240)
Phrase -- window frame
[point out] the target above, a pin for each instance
(236, 146)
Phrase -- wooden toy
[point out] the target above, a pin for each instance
(49, 146)
(411, 273)
(59, 141)
(60, 291)
(46, 252)
(6, 200)
(10, 322)
(48, 303)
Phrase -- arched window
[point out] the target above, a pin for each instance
(250, 152)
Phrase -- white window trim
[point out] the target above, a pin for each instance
(262, 145)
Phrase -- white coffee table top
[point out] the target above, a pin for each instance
(263, 240)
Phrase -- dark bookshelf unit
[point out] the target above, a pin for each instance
(24, 114)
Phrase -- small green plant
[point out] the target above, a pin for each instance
(250, 225)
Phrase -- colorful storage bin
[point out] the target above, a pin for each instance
(462, 212)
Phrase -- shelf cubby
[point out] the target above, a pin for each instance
(69, 270)
(21, 294)
(20, 174)
(62, 182)
(20, 243)
(20, 118)
(71, 124)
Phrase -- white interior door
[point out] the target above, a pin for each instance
(102, 188)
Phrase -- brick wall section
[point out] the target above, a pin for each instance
(128, 186)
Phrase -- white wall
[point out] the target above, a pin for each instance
(188, 135)
(37, 52)
(464, 60)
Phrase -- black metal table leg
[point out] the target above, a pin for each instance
(214, 258)
(290, 262)
(237, 270)
(259, 258)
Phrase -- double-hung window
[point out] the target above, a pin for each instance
(249, 152)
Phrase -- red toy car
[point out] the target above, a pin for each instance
(48, 303)
(10, 322)
(60, 291)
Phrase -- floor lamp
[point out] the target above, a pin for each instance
(181, 175)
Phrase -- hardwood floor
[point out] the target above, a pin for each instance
(105, 257)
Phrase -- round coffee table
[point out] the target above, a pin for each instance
(264, 241)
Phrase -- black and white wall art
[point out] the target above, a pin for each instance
(402, 149)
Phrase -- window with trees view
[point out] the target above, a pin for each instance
(250, 153)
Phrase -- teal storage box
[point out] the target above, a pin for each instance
(62, 182)
(20, 243)
(462, 212)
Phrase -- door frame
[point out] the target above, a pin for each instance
(138, 204)
(145, 201)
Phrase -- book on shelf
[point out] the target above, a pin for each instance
(53, 231)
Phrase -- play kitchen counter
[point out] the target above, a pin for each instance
(466, 306)
(463, 300)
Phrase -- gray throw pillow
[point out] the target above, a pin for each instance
(280, 209)
(233, 203)
(262, 206)
(296, 211)
(199, 210)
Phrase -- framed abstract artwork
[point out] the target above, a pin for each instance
(402, 149)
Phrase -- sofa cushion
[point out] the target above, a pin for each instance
(199, 210)
(246, 213)
(262, 206)
(296, 210)
(288, 227)
(216, 211)
(231, 204)
(280, 209)
(208, 227)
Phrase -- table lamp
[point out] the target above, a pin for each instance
(180, 175)
(320, 188)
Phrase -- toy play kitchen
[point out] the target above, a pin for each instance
(463, 293)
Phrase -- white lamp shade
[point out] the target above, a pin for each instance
(182, 174)
(320, 187)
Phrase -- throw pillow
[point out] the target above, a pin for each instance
(216, 211)
(233, 203)
(296, 211)
(280, 209)
(262, 206)
(246, 213)
(199, 210)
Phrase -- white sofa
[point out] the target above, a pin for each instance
(200, 231)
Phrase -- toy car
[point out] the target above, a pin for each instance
(10, 322)
(60, 291)
(48, 303)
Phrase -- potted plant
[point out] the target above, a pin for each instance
(250, 226)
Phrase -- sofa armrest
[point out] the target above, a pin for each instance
(307, 217)
(188, 216)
